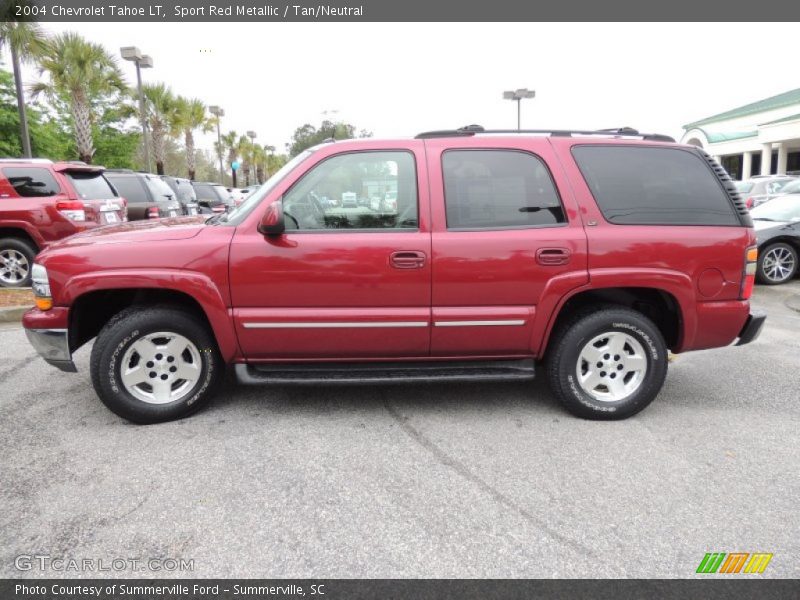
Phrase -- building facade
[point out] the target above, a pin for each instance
(761, 138)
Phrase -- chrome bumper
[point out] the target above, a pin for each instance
(53, 346)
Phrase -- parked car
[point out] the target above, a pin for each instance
(237, 195)
(212, 197)
(758, 190)
(148, 196)
(41, 202)
(184, 192)
(777, 225)
(596, 253)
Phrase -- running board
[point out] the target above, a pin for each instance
(394, 372)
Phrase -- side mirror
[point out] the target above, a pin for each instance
(272, 222)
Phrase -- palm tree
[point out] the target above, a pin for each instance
(191, 115)
(26, 42)
(230, 143)
(246, 152)
(162, 119)
(81, 73)
(260, 160)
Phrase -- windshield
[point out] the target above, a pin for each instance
(238, 214)
(786, 208)
(91, 186)
(744, 186)
(793, 187)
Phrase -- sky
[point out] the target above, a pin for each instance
(398, 79)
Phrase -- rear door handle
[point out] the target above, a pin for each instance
(553, 256)
(407, 259)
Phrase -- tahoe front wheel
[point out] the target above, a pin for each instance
(608, 364)
(155, 364)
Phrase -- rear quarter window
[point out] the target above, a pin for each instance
(31, 182)
(640, 185)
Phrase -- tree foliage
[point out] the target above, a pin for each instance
(307, 135)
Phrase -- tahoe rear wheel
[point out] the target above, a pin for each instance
(777, 263)
(155, 364)
(607, 364)
(16, 260)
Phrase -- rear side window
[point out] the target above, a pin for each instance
(129, 188)
(653, 186)
(497, 189)
(159, 189)
(91, 186)
(31, 182)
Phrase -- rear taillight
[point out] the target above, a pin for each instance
(152, 212)
(72, 210)
(749, 203)
(749, 279)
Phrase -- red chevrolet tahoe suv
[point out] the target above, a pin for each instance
(593, 252)
(41, 202)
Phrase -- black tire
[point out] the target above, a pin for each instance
(23, 247)
(774, 277)
(130, 326)
(576, 334)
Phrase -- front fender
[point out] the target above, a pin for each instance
(197, 285)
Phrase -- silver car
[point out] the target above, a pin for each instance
(761, 188)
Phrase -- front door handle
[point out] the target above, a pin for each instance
(553, 256)
(407, 259)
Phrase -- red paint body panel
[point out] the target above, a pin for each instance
(493, 270)
(38, 217)
(344, 272)
(55, 318)
(338, 296)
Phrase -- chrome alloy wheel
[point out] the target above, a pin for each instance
(611, 366)
(14, 266)
(778, 264)
(161, 367)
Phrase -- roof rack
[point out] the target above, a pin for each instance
(469, 130)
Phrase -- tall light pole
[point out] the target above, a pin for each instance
(219, 113)
(333, 114)
(142, 61)
(519, 95)
(252, 135)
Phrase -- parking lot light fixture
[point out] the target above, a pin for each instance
(218, 112)
(519, 95)
(142, 61)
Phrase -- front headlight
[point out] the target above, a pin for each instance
(41, 287)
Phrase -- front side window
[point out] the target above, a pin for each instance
(359, 190)
(498, 189)
(643, 185)
(31, 182)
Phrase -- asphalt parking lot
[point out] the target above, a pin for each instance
(419, 481)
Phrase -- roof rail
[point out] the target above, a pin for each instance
(120, 171)
(469, 130)
(41, 161)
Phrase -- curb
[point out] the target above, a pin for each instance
(12, 314)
